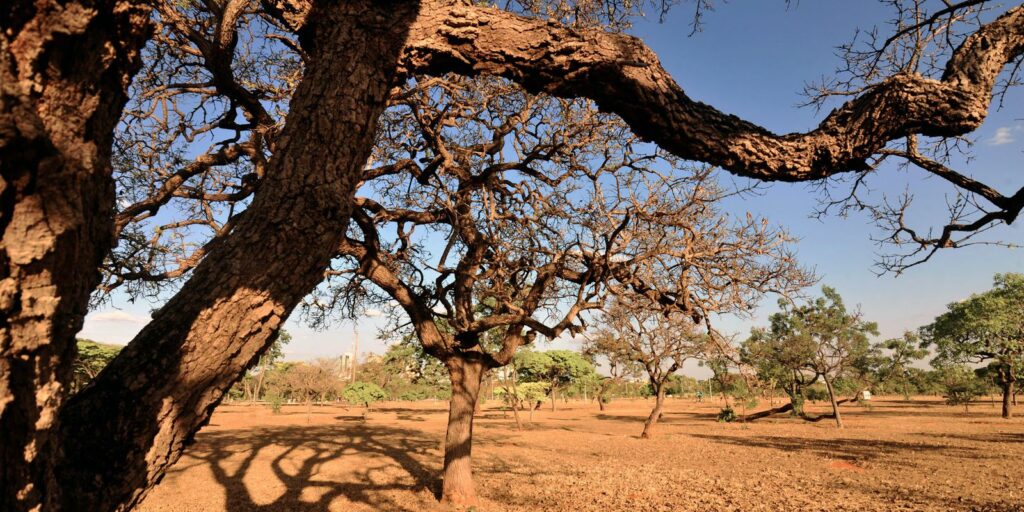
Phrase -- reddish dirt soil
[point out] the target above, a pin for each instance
(895, 455)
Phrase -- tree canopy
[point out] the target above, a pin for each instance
(985, 327)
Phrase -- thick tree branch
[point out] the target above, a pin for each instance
(625, 77)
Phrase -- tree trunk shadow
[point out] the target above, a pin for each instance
(300, 454)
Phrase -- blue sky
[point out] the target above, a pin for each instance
(752, 60)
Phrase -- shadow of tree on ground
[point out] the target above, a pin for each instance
(389, 459)
(849, 449)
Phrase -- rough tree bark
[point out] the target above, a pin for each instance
(137, 417)
(465, 372)
(624, 76)
(65, 67)
(659, 403)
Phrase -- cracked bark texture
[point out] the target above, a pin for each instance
(623, 76)
(64, 71)
(167, 381)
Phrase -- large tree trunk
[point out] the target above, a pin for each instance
(652, 419)
(832, 399)
(138, 416)
(465, 374)
(64, 72)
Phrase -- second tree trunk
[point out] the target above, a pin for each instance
(659, 402)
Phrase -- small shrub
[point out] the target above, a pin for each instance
(363, 393)
(961, 394)
(816, 394)
(413, 395)
(727, 415)
(276, 401)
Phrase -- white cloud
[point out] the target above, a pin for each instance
(1003, 136)
(118, 316)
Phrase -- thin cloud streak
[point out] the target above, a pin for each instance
(1004, 135)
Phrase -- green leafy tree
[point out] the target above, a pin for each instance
(839, 339)
(961, 386)
(556, 367)
(91, 359)
(405, 371)
(781, 360)
(926, 382)
(364, 393)
(257, 377)
(528, 394)
(896, 366)
(986, 327)
(683, 385)
(819, 339)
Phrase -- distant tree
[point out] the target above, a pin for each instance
(585, 388)
(659, 342)
(839, 339)
(683, 385)
(422, 368)
(780, 360)
(895, 366)
(509, 391)
(819, 339)
(985, 327)
(555, 367)
(92, 358)
(961, 385)
(927, 382)
(364, 393)
(257, 376)
(308, 382)
(532, 394)
(604, 346)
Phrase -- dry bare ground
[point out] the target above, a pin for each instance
(895, 455)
